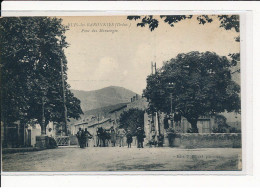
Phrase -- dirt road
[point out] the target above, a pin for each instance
(123, 159)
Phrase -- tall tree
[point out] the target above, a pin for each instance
(31, 59)
(200, 85)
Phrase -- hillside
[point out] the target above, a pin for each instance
(104, 111)
(104, 97)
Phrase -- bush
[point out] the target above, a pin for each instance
(52, 143)
(160, 140)
(219, 130)
(234, 130)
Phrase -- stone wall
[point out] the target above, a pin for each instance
(207, 140)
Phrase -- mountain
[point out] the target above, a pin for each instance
(103, 97)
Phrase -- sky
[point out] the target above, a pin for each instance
(113, 51)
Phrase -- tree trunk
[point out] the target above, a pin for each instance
(21, 133)
(194, 127)
(159, 123)
(5, 134)
(43, 127)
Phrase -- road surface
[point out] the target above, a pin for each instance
(74, 159)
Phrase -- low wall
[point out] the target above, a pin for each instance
(208, 140)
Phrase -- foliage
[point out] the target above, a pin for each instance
(31, 58)
(52, 143)
(131, 119)
(222, 126)
(234, 130)
(200, 84)
(228, 22)
(219, 130)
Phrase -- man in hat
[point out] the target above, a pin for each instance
(79, 137)
(140, 135)
(113, 137)
(129, 138)
(100, 134)
(121, 134)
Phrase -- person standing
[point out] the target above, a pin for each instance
(87, 136)
(79, 137)
(113, 137)
(140, 135)
(83, 139)
(100, 133)
(121, 134)
(153, 138)
(129, 138)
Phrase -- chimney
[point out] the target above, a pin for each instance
(131, 99)
(136, 96)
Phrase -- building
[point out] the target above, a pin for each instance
(21, 135)
(35, 130)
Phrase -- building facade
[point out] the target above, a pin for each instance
(21, 135)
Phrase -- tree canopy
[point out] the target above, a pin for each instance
(31, 58)
(200, 84)
(228, 22)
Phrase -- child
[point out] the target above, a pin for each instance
(129, 138)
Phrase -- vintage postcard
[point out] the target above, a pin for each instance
(121, 93)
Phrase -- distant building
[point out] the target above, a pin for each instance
(92, 127)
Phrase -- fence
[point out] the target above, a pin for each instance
(62, 140)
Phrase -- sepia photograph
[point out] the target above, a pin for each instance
(122, 93)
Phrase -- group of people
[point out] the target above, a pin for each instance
(140, 135)
(83, 136)
(106, 136)
(103, 136)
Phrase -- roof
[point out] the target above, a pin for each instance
(93, 124)
(82, 123)
(100, 122)
(86, 120)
